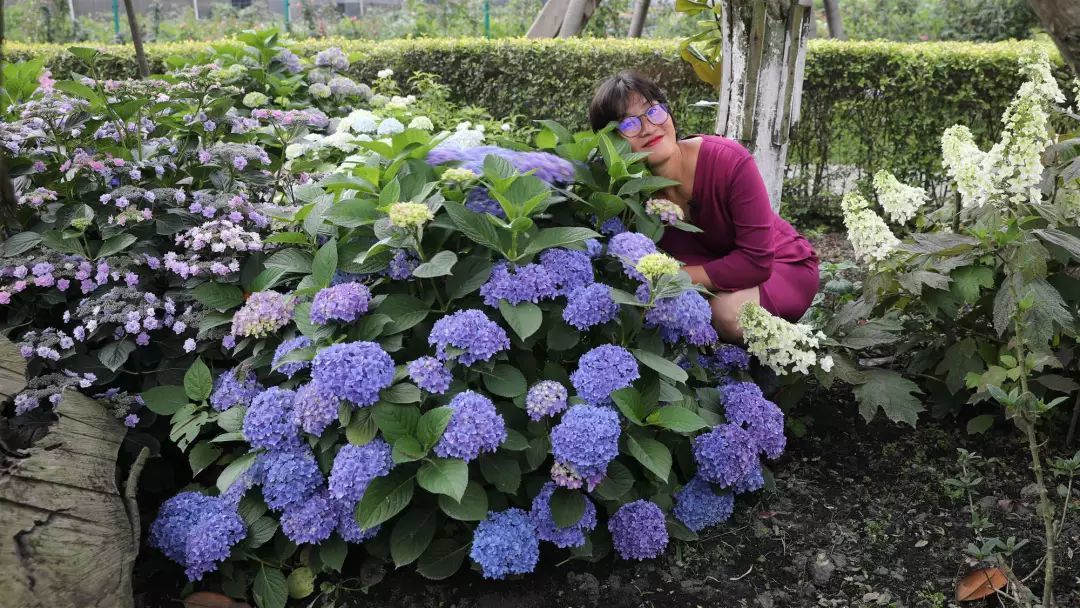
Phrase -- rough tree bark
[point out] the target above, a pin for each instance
(764, 54)
(562, 18)
(637, 23)
(832, 17)
(136, 39)
(1061, 18)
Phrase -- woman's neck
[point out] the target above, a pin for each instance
(678, 168)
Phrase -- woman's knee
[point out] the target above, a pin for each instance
(725, 318)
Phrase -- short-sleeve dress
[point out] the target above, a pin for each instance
(743, 243)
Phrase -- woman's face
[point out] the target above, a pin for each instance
(658, 140)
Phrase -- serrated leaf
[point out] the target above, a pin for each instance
(405, 310)
(558, 237)
(234, 470)
(270, 588)
(890, 392)
(201, 456)
(411, 535)
(384, 498)
(395, 421)
(448, 476)
(218, 296)
(332, 552)
(616, 483)
(980, 424)
(19, 243)
(198, 383)
(261, 531)
(116, 244)
(473, 505)
(524, 318)
(301, 582)
(325, 264)
(431, 426)
(502, 470)
(677, 418)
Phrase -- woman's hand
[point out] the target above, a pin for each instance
(699, 276)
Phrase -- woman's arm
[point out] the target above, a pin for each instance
(699, 276)
(750, 263)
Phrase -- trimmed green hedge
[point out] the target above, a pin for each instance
(866, 105)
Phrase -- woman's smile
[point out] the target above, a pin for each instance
(654, 141)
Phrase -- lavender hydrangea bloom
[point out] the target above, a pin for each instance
(629, 247)
(687, 316)
(479, 200)
(590, 305)
(545, 398)
(314, 408)
(402, 265)
(356, 371)
(332, 57)
(286, 347)
(268, 423)
(586, 440)
(603, 370)
(529, 283)
(471, 331)
(348, 527)
(548, 167)
(505, 543)
(751, 482)
(175, 519)
(698, 506)
(211, 540)
(475, 426)
(229, 390)
(638, 530)
(430, 374)
(727, 358)
(745, 405)
(264, 313)
(568, 269)
(355, 466)
(290, 477)
(546, 529)
(594, 248)
(311, 521)
(344, 302)
(725, 454)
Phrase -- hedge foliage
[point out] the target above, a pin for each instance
(866, 105)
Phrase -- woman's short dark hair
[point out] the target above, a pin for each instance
(613, 96)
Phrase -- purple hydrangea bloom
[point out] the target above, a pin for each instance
(314, 408)
(471, 331)
(545, 398)
(430, 374)
(505, 543)
(348, 527)
(286, 347)
(175, 519)
(594, 248)
(264, 313)
(590, 305)
(745, 405)
(568, 269)
(344, 302)
(548, 167)
(602, 371)
(725, 454)
(570, 536)
(698, 506)
(687, 316)
(586, 440)
(311, 521)
(612, 226)
(356, 371)
(229, 390)
(727, 359)
(751, 482)
(475, 426)
(290, 477)
(355, 466)
(528, 283)
(629, 247)
(268, 423)
(211, 540)
(479, 200)
(638, 530)
(402, 265)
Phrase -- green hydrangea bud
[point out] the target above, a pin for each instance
(656, 265)
(459, 175)
(255, 99)
(410, 215)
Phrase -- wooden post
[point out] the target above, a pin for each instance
(637, 24)
(832, 17)
(136, 39)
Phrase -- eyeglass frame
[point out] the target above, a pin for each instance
(640, 124)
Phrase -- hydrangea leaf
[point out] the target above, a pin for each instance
(218, 296)
(114, 354)
(653, 455)
(385, 497)
(325, 263)
(661, 365)
(332, 552)
(890, 392)
(165, 400)
(524, 318)
(472, 506)
(506, 381)
(411, 535)
(617, 482)
(677, 418)
(234, 470)
(261, 531)
(301, 582)
(431, 426)
(502, 470)
(395, 421)
(198, 383)
(567, 507)
(202, 455)
(439, 265)
(443, 558)
(270, 588)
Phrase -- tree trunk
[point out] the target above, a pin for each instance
(574, 21)
(562, 18)
(764, 53)
(637, 24)
(136, 39)
(1061, 19)
(832, 17)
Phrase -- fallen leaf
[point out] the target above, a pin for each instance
(921, 543)
(980, 583)
(206, 599)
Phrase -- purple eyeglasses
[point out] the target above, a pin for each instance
(631, 125)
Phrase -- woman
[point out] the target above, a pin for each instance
(746, 252)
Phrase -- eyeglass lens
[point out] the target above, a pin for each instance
(632, 125)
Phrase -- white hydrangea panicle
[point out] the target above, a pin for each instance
(963, 161)
(900, 201)
(783, 346)
(360, 121)
(869, 235)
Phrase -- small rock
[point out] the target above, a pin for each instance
(882, 571)
(821, 569)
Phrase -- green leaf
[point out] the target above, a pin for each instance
(502, 470)
(114, 354)
(661, 365)
(384, 498)
(218, 296)
(442, 559)
(506, 381)
(325, 264)
(202, 455)
(431, 426)
(301, 582)
(447, 476)
(472, 273)
(332, 552)
(270, 589)
(524, 318)
(411, 535)
(405, 310)
(402, 393)
(567, 507)
(1062, 239)
(439, 265)
(631, 404)
(361, 430)
(968, 282)
(116, 244)
(20, 243)
(558, 237)
(351, 213)
(261, 531)
(617, 482)
(407, 449)
(198, 383)
(652, 454)
(678, 419)
(291, 260)
(395, 421)
(473, 505)
(980, 424)
(892, 393)
(234, 470)
(287, 238)
(473, 225)
(165, 400)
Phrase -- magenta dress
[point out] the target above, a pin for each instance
(744, 242)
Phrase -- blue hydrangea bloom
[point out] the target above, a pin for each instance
(602, 371)
(290, 477)
(568, 269)
(698, 506)
(348, 527)
(286, 347)
(471, 331)
(546, 166)
(175, 519)
(211, 540)
(594, 248)
(728, 358)
(612, 226)
(230, 390)
(638, 530)
(687, 316)
(745, 405)
(528, 283)
(630, 247)
(590, 305)
(402, 265)
(545, 398)
(356, 371)
(355, 466)
(751, 482)
(430, 374)
(586, 440)
(315, 408)
(479, 200)
(475, 427)
(344, 302)
(505, 543)
(571, 536)
(725, 454)
(311, 521)
(268, 423)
